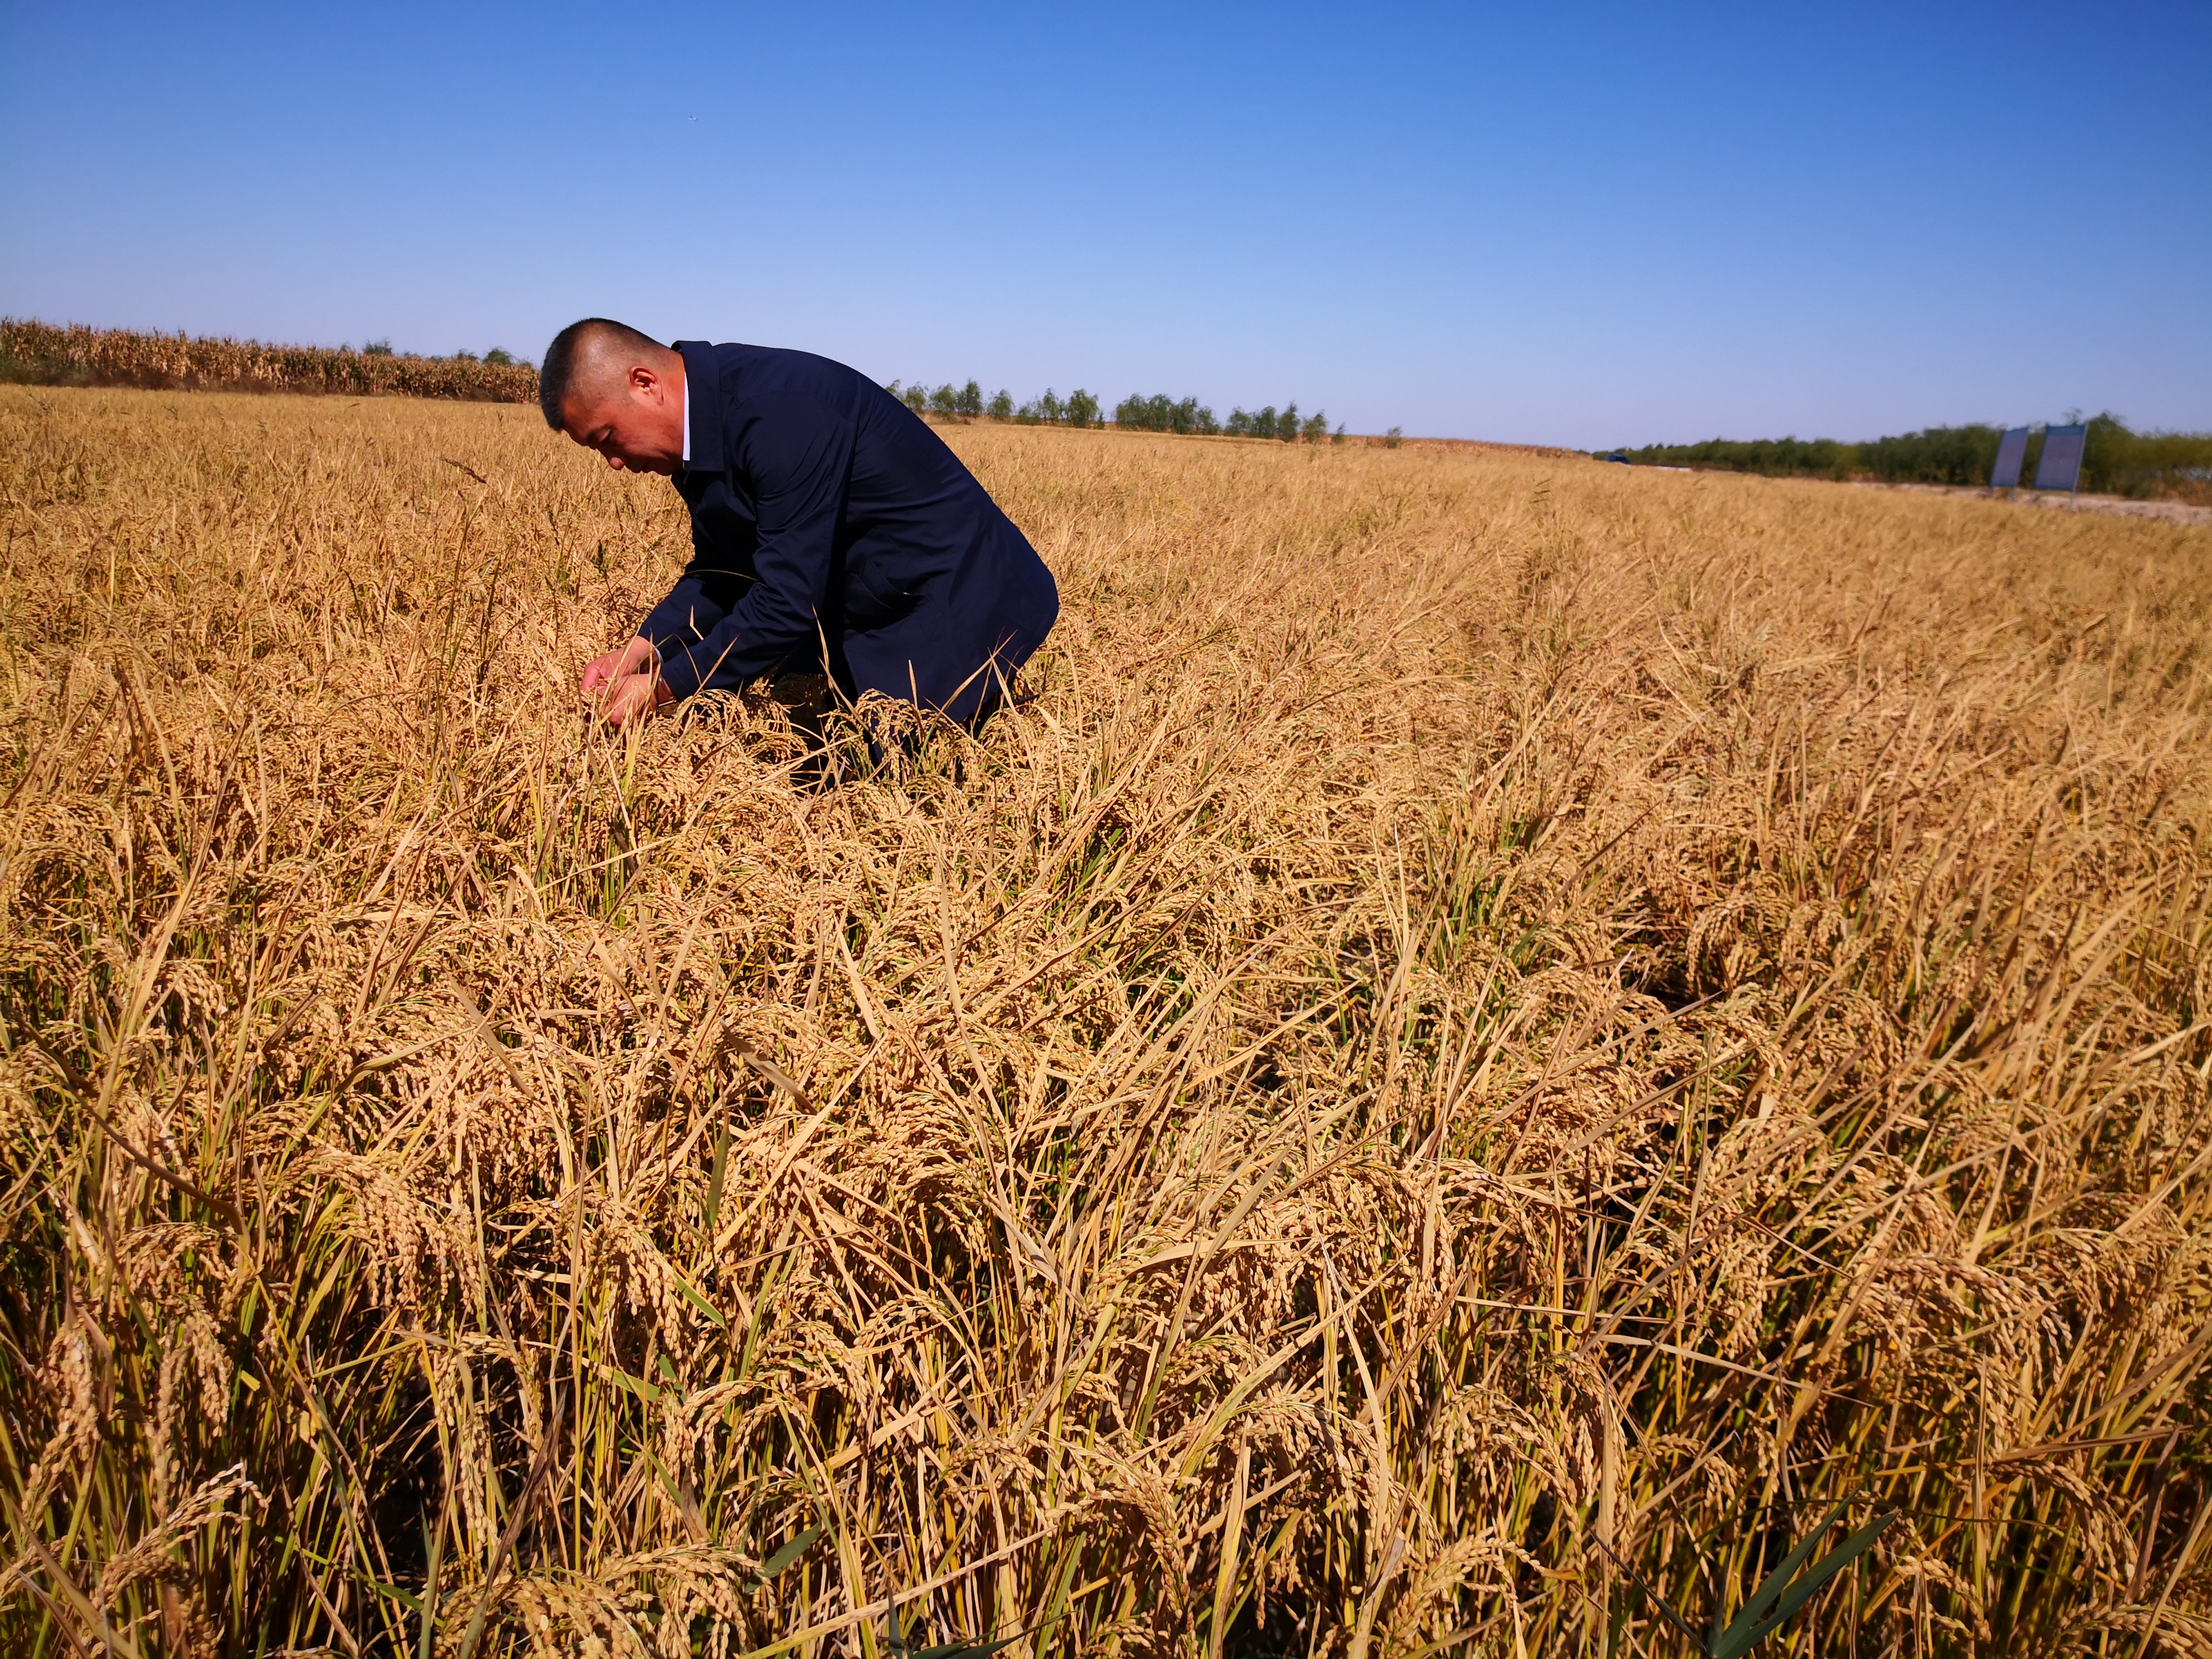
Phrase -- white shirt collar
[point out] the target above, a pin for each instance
(687, 420)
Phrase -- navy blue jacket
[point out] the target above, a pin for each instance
(832, 530)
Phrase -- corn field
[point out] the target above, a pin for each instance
(42, 354)
(1494, 1039)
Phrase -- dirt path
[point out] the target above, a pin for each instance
(2178, 512)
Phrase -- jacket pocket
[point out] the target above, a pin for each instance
(873, 601)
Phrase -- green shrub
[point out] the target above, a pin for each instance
(2117, 461)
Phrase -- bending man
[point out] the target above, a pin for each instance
(832, 533)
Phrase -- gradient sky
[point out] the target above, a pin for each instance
(1583, 225)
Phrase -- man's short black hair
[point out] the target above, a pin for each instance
(558, 377)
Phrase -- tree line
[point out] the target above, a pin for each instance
(2116, 460)
(1079, 408)
(1135, 413)
(498, 357)
(1161, 413)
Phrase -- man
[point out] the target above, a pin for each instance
(832, 533)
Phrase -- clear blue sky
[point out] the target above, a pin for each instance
(1581, 224)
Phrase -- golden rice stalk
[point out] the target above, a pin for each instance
(1493, 1023)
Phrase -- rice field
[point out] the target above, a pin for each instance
(1497, 1041)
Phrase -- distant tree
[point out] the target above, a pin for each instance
(1393, 437)
(944, 401)
(1161, 413)
(1285, 427)
(2119, 461)
(377, 349)
(499, 354)
(915, 398)
(970, 401)
(1137, 413)
(1001, 406)
(1337, 436)
(1901, 459)
(1941, 454)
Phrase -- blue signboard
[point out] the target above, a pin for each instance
(2060, 465)
(2012, 450)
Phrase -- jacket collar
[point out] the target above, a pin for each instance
(703, 377)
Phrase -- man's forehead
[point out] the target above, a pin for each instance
(580, 416)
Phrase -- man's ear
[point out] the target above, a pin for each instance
(643, 382)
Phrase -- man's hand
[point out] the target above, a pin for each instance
(634, 697)
(637, 656)
(624, 684)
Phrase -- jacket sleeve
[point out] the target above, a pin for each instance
(797, 455)
(710, 587)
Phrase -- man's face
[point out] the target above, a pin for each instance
(639, 428)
